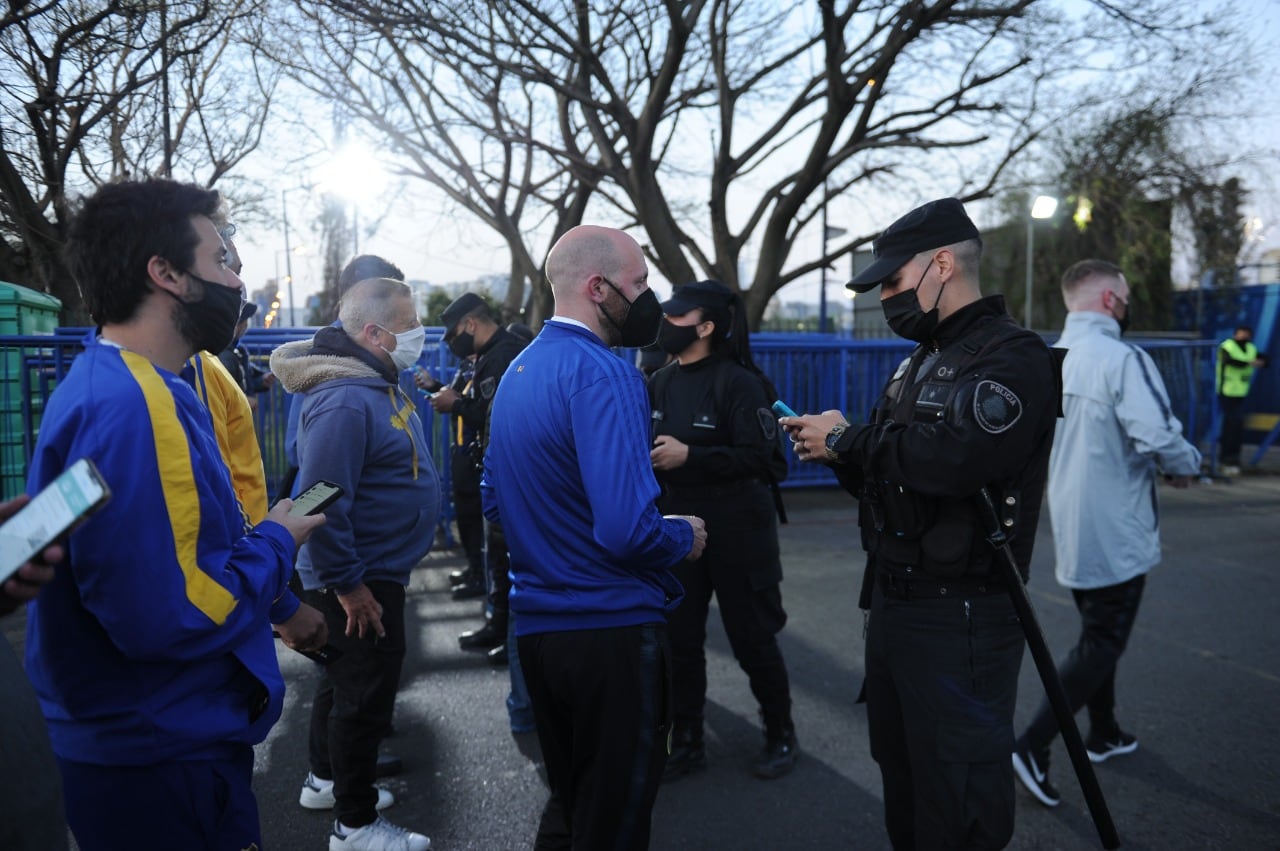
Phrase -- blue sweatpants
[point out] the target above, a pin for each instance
(196, 805)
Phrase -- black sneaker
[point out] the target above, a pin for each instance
(688, 754)
(1101, 749)
(777, 758)
(1035, 777)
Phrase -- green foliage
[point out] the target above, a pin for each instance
(1119, 182)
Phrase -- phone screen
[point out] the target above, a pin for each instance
(78, 491)
(315, 499)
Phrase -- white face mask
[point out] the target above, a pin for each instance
(408, 346)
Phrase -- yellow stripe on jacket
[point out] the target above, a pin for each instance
(177, 481)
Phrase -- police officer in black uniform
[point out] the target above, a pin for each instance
(973, 407)
(470, 329)
(717, 454)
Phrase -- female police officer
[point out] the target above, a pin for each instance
(716, 453)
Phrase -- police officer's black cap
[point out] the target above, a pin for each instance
(709, 295)
(932, 225)
(461, 306)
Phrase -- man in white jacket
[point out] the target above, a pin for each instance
(1118, 434)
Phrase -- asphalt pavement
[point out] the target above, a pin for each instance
(1199, 686)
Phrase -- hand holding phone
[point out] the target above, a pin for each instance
(75, 494)
(315, 499)
(782, 409)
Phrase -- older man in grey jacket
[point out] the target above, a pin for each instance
(1118, 435)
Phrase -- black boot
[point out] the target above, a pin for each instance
(687, 754)
(483, 638)
(468, 590)
(780, 750)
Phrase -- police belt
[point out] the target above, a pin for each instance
(911, 583)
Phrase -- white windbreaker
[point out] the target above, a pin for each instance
(1119, 432)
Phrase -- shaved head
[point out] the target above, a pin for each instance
(587, 250)
(595, 272)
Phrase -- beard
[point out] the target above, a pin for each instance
(186, 323)
(608, 323)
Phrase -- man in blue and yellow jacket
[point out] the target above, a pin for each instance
(151, 651)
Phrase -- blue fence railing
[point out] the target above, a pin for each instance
(812, 373)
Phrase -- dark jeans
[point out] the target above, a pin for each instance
(601, 704)
(468, 511)
(354, 700)
(942, 682)
(751, 620)
(1232, 429)
(1089, 672)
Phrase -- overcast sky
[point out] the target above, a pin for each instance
(431, 242)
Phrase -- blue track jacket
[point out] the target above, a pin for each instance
(567, 471)
(153, 641)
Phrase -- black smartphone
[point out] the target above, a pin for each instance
(326, 655)
(75, 494)
(315, 499)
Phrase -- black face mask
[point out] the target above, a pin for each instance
(1128, 314)
(210, 323)
(463, 345)
(674, 339)
(639, 325)
(905, 317)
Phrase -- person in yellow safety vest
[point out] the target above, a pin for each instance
(1237, 359)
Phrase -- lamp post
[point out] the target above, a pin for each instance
(1042, 208)
(828, 232)
(288, 259)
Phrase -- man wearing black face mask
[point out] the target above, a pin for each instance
(1118, 434)
(568, 472)
(470, 330)
(973, 407)
(151, 651)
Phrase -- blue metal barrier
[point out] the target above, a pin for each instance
(812, 373)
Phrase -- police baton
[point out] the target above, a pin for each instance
(1049, 677)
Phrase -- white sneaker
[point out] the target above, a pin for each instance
(317, 794)
(381, 835)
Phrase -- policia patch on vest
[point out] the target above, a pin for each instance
(768, 423)
(996, 407)
(488, 387)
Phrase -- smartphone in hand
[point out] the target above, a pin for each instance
(316, 499)
(75, 494)
(782, 409)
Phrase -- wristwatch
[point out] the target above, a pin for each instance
(833, 437)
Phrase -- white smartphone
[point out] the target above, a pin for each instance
(76, 493)
(316, 499)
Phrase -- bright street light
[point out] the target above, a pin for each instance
(354, 174)
(1043, 207)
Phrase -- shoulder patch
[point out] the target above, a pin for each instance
(488, 387)
(768, 423)
(996, 407)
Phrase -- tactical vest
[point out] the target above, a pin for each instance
(943, 537)
(708, 415)
(1233, 381)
